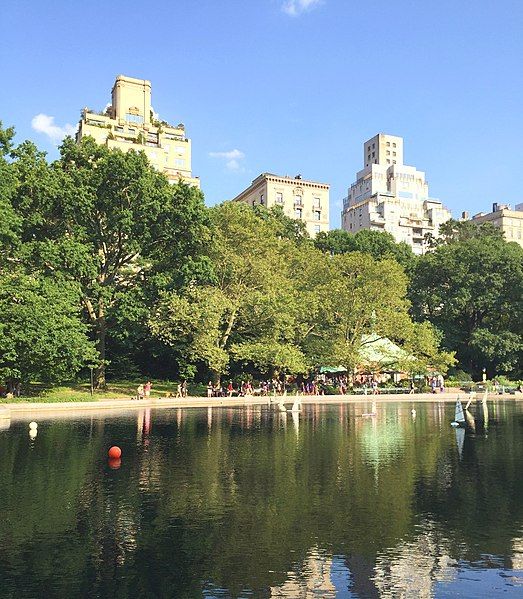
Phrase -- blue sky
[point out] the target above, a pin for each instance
(288, 86)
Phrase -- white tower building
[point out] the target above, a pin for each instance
(391, 196)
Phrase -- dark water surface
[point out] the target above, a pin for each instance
(245, 502)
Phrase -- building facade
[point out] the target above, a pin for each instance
(391, 196)
(508, 220)
(301, 199)
(129, 123)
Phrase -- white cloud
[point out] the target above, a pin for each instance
(295, 8)
(45, 124)
(232, 159)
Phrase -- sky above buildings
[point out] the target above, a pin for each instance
(287, 86)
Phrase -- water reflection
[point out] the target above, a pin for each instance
(251, 502)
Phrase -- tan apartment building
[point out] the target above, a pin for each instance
(389, 195)
(508, 220)
(299, 198)
(129, 123)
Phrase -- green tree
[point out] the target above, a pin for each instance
(41, 335)
(249, 305)
(454, 230)
(379, 244)
(364, 296)
(108, 221)
(471, 289)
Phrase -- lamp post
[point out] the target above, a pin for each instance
(92, 380)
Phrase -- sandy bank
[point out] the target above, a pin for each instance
(25, 410)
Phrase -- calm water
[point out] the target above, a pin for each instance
(249, 503)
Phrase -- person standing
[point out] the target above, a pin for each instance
(184, 389)
(139, 391)
(147, 388)
(209, 389)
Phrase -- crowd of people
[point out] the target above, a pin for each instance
(321, 384)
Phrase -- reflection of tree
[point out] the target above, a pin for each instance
(236, 502)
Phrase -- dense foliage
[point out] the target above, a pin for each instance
(105, 263)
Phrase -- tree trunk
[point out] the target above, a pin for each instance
(215, 377)
(101, 332)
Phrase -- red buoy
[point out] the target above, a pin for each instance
(115, 452)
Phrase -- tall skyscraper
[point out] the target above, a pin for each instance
(391, 196)
(129, 122)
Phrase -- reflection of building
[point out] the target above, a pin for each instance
(509, 221)
(391, 196)
(300, 199)
(517, 558)
(129, 123)
(313, 581)
(413, 567)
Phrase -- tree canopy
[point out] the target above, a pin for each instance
(112, 265)
(471, 288)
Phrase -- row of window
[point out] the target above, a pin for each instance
(374, 146)
(298, 200)
(134, 118)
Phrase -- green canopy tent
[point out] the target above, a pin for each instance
(331, 369)
(381, 353)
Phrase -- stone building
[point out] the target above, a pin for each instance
(391, 196)
(508, 220)
(129, 123)
(299, 198)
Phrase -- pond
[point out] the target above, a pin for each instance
(249, 502)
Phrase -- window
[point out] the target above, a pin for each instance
(180, 149)
(279, 197)
(373, 154)
(394, 153)
(317, 228)
(119, 129)
(297, 213)
(388, 143)
(261, 199)
(316, 202)
(393, 162)
(317, 215)
(298, 200)
(134, 118)
(388, 152)
(393, 144)
(388, 161)
(373, 146)
(179, 162)
(368, 157)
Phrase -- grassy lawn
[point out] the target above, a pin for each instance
(81, 391)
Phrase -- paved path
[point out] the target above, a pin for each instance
(28, 409)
